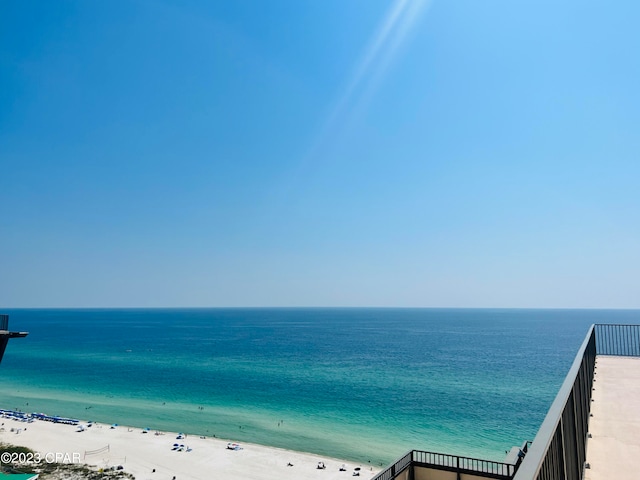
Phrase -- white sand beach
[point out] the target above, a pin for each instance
(201, 459)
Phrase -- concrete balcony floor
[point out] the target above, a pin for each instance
(613, 451)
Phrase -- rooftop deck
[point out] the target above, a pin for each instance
(614, 447)
(591, 431)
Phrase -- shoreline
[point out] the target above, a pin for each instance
(103, 446)
(281, 430)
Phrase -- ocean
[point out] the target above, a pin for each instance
(359, 384)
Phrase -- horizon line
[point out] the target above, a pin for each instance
(309, 307)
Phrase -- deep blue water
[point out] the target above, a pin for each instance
(358, 384)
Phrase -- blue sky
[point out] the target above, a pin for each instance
(320, 153)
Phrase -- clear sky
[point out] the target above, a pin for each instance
(467, 153)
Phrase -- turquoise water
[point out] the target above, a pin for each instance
(359, 384)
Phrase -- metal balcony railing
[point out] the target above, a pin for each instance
(405, 467)
(559, 450)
